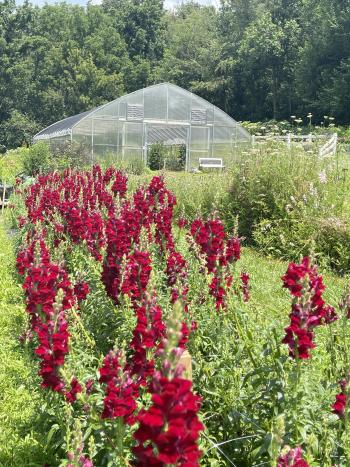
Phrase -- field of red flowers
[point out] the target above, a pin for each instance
(126, 305)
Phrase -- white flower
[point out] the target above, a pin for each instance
(322, 176)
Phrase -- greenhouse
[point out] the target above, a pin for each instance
(164, 113)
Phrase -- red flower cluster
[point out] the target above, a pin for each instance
(164, 202)
(308, 308)
(91, 208)
(121, 391)
(81, 290)
(341, 399)
(169, 429)
(48, 295)
(147, 337)
(182, 222)
(75, 388)
(245, 286)
(151, 206)
(292, 458)
(218, 254)
(177, 271)
(136, 275)
(78, 198)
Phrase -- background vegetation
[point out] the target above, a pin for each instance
(254, 59)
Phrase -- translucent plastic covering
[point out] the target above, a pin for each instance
(128, 126)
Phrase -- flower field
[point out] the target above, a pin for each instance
(134, 336)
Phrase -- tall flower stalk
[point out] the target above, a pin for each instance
(169, 430)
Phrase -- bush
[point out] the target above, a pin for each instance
(41, 158)
(135, 167)
(38, 159)
(176, 158)
(156, 156)
(70, 154)
(11, 164)
(284, 202)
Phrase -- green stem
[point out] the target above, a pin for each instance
(247, 344)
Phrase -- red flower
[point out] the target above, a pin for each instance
(218, 254)
(341, 399)
(137, 272)
(81, 290)
(71, 395)
(292, 458)
(169, 429)
(245, 286)
(121, 391)
(182, 222)
(308, 308)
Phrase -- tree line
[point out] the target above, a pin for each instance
(255, 59)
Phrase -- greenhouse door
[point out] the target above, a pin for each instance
(169, 135)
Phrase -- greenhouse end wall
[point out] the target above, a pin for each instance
(127, 127)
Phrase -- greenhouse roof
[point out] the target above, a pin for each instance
(62, 127)
(134, 112)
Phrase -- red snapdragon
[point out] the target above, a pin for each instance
(245, 286)
(169, 430)
(121, 391)
(291, 458)
(341, 399)
(218, 253)
(308, 307)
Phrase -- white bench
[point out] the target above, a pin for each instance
(210, 163)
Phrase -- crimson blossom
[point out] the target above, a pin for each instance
(308, 307)
(121, 391)
(48, 295)
(341, 399)
(292, 458)
(170, 425)
(218, 253)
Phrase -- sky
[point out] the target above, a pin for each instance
(167, 3)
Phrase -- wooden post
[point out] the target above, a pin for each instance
(186, 362)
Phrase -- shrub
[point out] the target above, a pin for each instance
(38, 159)
(156, 156)
(283, 201)
(176, 158)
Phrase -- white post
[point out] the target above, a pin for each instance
(288, 141)
(253, 140)
(3, 197)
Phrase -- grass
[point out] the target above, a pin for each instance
(20, 396)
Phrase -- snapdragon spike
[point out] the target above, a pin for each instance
(121, 391)
(147, 336)
(169, 429)
(81, 290)
(245, 286)
(292, 458)
(308, 307)
(218, 253)
(341, 399)
(137, 273)
(48, 295)
(76, 388)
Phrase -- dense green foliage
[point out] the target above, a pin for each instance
(254, 59)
